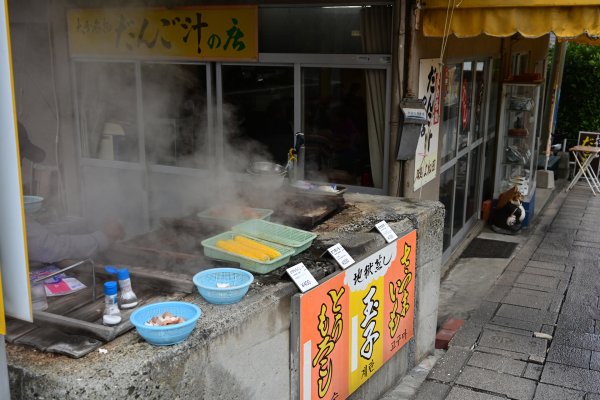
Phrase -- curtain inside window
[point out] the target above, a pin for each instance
(92, 108)
(376, 28)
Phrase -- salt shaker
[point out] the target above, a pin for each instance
(112, 315)
(127, 298)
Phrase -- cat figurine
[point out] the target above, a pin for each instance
(509, 214)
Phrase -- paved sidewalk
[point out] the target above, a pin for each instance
(537, 334)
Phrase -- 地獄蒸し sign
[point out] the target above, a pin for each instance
(353, 323)
(191, 33)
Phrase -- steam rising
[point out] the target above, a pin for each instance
(182, 173)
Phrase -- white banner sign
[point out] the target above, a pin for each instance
(13, 255)
(427, 147)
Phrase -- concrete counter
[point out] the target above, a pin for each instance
(242, 351)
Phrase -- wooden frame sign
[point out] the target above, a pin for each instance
(345, 329)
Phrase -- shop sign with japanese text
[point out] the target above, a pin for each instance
(354, 323)
(194, 33)
(427, 145)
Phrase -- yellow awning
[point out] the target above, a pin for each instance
(583, 39)
(501, 18)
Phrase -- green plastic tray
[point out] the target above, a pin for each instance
(211, 250)
(231, 220)
(297, 239)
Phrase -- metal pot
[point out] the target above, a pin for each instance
(265, 168)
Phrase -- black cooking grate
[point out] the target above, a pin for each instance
(487, 248)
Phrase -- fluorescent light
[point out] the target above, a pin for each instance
(345, 6)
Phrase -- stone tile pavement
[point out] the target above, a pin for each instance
(537, 334)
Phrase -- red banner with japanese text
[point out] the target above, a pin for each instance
(355, 322)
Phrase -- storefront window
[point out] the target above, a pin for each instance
(175, 114)
(447, 198)
(472, 194)
(259, 105)
(494, 89)
(106, 95)
(169, 112)
(466, 105)
(479, 99)
(488, 169)
(461, 189)
(450, 114)
(333, 30)
(339, 129)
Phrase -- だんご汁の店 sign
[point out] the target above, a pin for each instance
(353, 323)
(191, 33)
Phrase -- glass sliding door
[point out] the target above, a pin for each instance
(450, 110)
(464, 111)
(447, 199)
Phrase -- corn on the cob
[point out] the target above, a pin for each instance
(271, 252)
(241, 250)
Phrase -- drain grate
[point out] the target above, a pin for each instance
(487, 248)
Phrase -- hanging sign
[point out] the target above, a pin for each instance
(196, 33)
(341, 256)
(427, 146)
(353, 323)
(302, 277)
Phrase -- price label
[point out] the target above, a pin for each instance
(341, 256)
(386, 231)
(302, 277)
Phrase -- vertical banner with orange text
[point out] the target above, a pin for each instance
(355, 322)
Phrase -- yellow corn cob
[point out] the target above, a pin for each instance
(236, 248)
(271, 252)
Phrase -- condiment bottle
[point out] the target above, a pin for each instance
(127, 298)
(112, 315)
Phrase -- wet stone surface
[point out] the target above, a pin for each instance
(512, 342)
(569, 356)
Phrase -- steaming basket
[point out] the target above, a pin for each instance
(211, 250)
(297, 239)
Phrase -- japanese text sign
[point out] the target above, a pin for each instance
(354, 323)
(302, 277)
(386, 231)
(197, 33)
(427, 145)
(341, 256)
